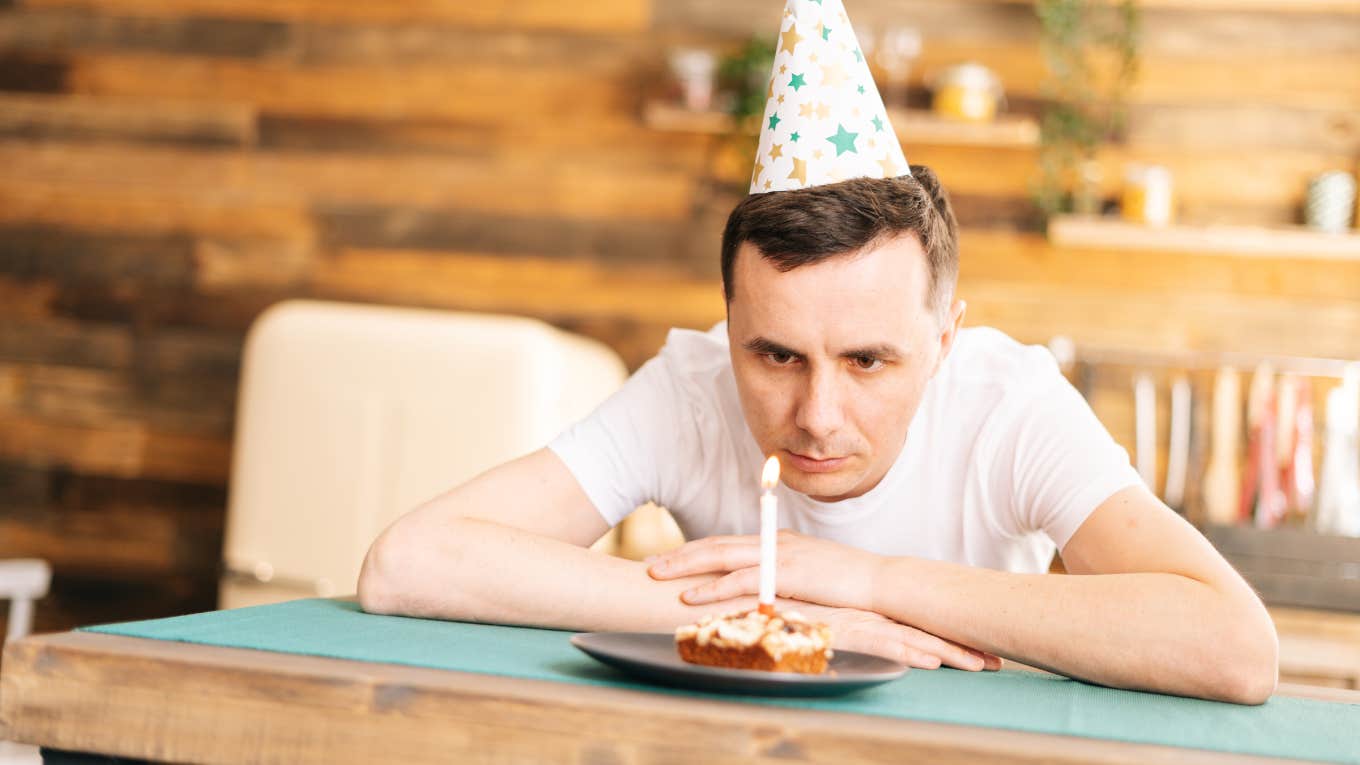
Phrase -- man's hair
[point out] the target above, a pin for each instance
(803, 226)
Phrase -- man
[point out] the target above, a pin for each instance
(929, 471)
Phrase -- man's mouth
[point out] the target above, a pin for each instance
(810, 464)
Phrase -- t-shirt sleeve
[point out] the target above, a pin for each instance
(1064, 463)
(636, 446)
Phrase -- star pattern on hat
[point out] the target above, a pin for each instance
(823, 110)
(844, 140)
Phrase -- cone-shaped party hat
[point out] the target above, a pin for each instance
(824, 119)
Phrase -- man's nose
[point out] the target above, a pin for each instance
(819, 410)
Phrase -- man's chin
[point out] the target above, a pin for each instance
(824, 487)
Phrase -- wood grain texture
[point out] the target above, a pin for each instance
(60, 31)
(32, 72)
(606, 15)
(67, 117)
(99, 597)
(991, 255)
(1294, 7)
(510, 184)
(233, 705)
(184, 403)
(89, 206)
(484, 92)
(1296, 243)
(114, 449)
(534, 286)
(1114, 317)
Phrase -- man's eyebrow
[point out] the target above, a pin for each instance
(763, 345)
(884, 351)
(881, 351)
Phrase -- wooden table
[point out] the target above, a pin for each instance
(162, 700)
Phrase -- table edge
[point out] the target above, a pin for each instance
(302, 667)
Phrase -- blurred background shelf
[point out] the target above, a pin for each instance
(1266, 6)
(1262, 241)
(662, 115)
(1292, 567)
(916, 125)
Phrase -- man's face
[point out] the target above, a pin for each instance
(832, 360)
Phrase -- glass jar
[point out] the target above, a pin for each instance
(1331, 202)
(1148, 196)
(968, 92)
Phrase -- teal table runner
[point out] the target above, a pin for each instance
(1283, 727)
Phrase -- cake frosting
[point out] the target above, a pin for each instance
(739, 638)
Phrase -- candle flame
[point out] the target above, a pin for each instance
(770, 475)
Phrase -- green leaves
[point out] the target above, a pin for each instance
(1091, 52)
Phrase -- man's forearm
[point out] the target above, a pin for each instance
(474, 570)
(1147, 631)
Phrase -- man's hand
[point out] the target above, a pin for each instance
(807, 569)
(868, 632)
(829, 582)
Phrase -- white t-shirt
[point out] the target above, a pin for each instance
(1003, 460)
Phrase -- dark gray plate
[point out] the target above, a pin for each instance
(653, 657)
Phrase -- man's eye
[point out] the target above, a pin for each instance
(868, 363)
(780, 359)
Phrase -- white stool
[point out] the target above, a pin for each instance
(21, 583)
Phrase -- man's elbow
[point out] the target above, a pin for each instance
(379, 587)
(1251, 674)
(374, 594)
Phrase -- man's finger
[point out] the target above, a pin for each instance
(703, 542)
(990, 662)
(745, 581)
(881, 640)
(951, 654)
(704, 559)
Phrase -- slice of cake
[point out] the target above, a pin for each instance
(780, 642)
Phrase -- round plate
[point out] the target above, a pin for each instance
(652, 656)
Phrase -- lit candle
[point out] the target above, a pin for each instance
(769, 527)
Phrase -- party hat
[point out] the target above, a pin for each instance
(824, 119)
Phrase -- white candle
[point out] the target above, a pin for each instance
(769, 527)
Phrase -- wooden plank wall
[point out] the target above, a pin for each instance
(169, 168)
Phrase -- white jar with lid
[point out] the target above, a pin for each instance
(1331, 202)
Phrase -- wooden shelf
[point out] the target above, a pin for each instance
(1273, 242)
(913, 126)
(916, 126)
(1261, 6)
(662, 115)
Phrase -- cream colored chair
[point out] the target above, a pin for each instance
(350, 415)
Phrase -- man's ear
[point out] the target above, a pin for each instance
(952, 324)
